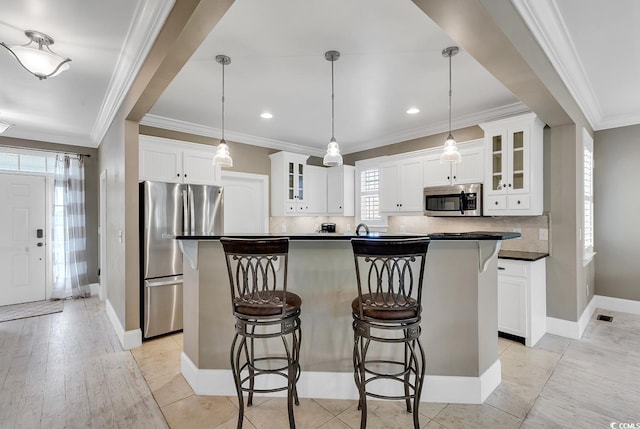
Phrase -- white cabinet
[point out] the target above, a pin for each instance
(469, 170)
(522, 299)
(288, 176)
(401, 186)
(315, 183)
(513, 177)
(174, 161)
(340, 190)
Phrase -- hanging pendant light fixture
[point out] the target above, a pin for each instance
(222, 157)
(332, 157)
(450, 154)
(37, 58)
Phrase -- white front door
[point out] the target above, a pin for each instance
(22, 251)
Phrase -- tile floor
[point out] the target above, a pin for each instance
(560, 383)
(67, 370)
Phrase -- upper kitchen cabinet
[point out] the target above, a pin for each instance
(315, 192)
(165, 160)
(401, 185)
(470, 170)
(340, 190)
(513, 182)
(288, 176)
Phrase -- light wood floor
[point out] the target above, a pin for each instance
(68, 370)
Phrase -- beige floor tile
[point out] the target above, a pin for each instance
(458, 416)
(382, 415)
(233, 424)
(160, 364)
(169, 388)
(154, 347)
(553, 343)
(336, 406)
(552, 414)
(273, 414)
(433, 425)
(531, 356)
(334, 423)
(519, 372)
(431, 409)
(200, 412)
(503, 345)
(179, 339)
(513, 398)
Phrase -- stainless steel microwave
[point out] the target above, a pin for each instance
(455, 200)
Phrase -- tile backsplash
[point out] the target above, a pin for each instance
(528, 226)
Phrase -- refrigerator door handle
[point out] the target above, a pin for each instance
(192, 218)
(153, 283)
(185, 212)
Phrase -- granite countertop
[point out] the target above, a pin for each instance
(521, 256)
(474, 235)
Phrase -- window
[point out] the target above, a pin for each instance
(27, 161)
(368, 194)
(587, 227)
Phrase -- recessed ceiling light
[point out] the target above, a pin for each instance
(266, 115)
(413, 110)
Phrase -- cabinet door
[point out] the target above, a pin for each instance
(295, 181)
(471, 169)
(198, 169)
(512, 305)
(496, 182)
(335, 190)
(315, 182)
(160, 163)
(389, 200)
(436, 174)
(518, 163)
(410, 187)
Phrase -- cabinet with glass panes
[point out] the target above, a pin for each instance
(513, 179)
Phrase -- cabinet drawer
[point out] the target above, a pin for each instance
(496, 203)
(519, 202)
(512, 268)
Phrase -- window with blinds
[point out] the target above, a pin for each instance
(370, 195)
(587, 165)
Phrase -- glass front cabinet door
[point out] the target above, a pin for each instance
(513, 181)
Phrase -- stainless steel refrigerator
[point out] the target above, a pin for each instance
(167, 210)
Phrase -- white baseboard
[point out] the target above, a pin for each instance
(128, 339)
(574, 330)
(340, 385)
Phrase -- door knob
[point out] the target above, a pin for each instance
(40, 244)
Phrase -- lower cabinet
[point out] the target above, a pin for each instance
(522, 299)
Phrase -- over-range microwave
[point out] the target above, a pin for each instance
(455, 200)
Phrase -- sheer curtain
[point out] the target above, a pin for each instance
(69, 230)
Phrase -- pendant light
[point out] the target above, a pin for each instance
(450, 154)
(222, 157)
(332, 157)
(38, 59)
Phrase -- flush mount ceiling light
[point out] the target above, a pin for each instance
(4, 127)
(222, 157)
(37, 58)
(332, 157)
(450, 154)
(266, 115)
(413, 110)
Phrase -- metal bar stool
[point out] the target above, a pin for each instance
(263, 309)
(387, 310)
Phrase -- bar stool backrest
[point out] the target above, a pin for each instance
(389, 273)
(254, 267)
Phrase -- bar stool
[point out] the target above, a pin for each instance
(387, 310)
(263, 310)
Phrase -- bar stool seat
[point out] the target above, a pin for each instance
(266, 314)
(408, 308)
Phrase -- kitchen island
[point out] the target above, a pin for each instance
(459, 318)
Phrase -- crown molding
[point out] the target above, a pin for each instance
(545, 22)
(202, 130)
(149, 17)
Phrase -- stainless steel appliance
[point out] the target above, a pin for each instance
(328, 227)
(456, 200)
(167, 210)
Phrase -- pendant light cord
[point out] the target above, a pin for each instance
(449, 93)
(223, 64)
(332, 101)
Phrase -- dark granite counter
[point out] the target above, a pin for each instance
(474, 235)
(521, 256)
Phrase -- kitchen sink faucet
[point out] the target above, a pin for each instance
(363, 225)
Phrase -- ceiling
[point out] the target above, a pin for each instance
(390, 60)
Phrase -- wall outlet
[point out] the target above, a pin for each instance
(518, 230)
(587, 289)
(348, 227)
(402, 228)
(283, 227)
(543, 234)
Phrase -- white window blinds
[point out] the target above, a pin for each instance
(370, 195)
(587, 163)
